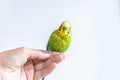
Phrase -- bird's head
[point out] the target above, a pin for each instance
(64, 30)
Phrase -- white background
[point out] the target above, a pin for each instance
(94, 53)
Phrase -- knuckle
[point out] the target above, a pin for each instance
(23, 49)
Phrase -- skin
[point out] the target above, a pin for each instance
(27, 64)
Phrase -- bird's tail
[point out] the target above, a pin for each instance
(43, 78)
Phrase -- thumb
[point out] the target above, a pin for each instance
(36, 54)
(19, 56)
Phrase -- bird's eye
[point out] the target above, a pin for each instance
(59, 29)
(68, 32)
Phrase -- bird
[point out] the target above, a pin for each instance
(60, 39)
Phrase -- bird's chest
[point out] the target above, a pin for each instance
(59, 42)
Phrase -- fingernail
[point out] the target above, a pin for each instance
(46, 52)
(63, 56)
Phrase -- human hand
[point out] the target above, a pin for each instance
(27, 64)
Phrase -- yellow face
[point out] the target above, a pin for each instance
(64, 30)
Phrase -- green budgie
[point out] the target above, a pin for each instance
(60, 39)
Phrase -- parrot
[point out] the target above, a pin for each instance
(60, 39)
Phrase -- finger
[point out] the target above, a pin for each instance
(42, 73)
(52, 54)
(33, 54)
(29, 70)
(55, 58)
(48, 69)
(57, 53)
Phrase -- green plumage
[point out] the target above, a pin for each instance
(60, 39)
